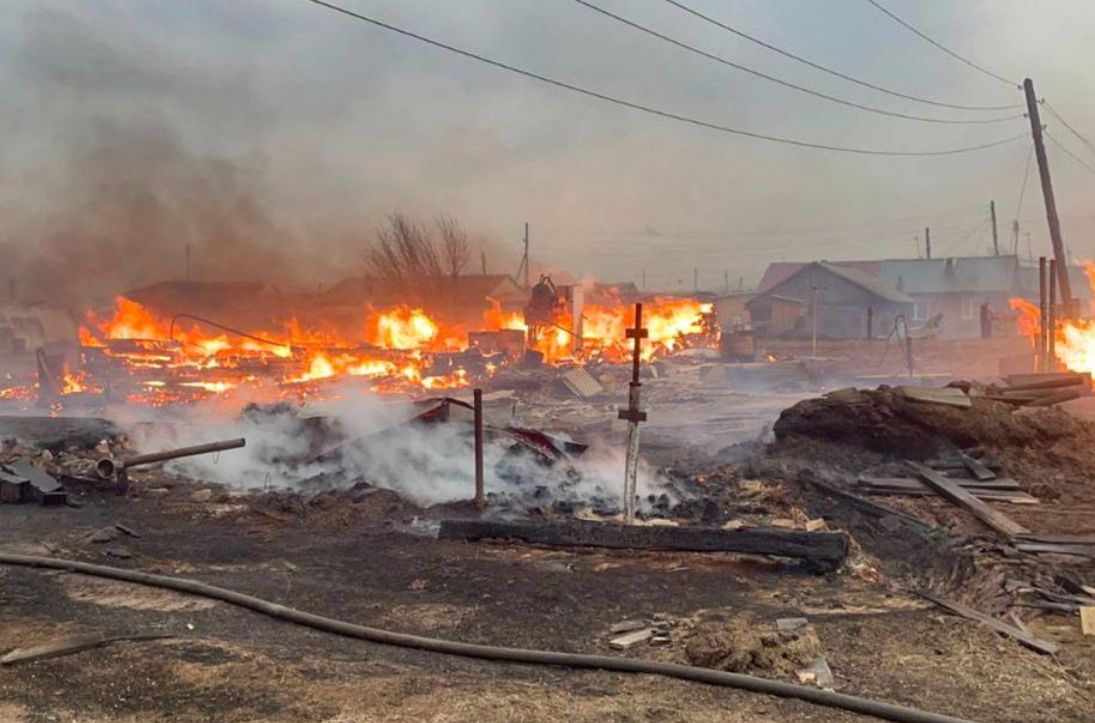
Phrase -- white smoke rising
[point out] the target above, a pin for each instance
(425, 463)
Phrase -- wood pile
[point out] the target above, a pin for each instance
(1042, 390)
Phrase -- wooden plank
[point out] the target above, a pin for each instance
(949, 396)
(1087, 620)
(1008, 496)
(870, 508)
(1065, 395)
(1051, 380)
(1030, 641)
(822, 547)
(995, 520)
(911, 483)
(1056, 549)
(979, 471)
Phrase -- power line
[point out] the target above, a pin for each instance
(1075, 132)
(1068, 153)
(945, 49)
(1023, 186)
(785, 83)
(831, 71)
(650, 109)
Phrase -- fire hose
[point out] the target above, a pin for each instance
(885, 711)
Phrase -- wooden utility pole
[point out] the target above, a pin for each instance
(814, 304)
(1047, 194)
(1043, 299)
(188, 262)
(644, 280)
(633, 414)
(928, 242)
(995, 240)
(726, 280)
(526, 256)
(1051, 318)
(483, 261)
(695, 280)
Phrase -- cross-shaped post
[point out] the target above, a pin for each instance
(633, 415)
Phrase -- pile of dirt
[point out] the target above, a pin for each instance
(885, 420)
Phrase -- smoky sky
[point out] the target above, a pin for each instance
(272, 136)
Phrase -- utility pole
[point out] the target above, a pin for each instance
(483, 261)
(928, 241)
(995, 240)
(813, 303)
(695, 280)
(188, 262)
(644, 280)
(726, 280)
(526, 256)
(1047, 194)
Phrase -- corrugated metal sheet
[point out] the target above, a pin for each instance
(582, 383)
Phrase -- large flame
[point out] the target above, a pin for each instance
(1074, 339)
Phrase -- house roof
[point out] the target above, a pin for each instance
(966, 274)
(779, 271)
(871, 284)
(1028, 281)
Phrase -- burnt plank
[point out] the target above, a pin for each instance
(995, 520)
(1030, 641)
(911, 483)
(977, 469)
(822, 547)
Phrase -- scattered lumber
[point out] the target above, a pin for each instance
(1056, 549)
(997, 521)
(949, 396)
(867, 507)
(1043, 390)
(976, 468)
(824, 548)
(1034, 643)
(1000, 484)
(73, 644)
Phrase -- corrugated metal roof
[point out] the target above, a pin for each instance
(967, 274)
(1028, 282)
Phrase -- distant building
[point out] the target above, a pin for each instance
(459, 297)
(955, 288)
(850, 303)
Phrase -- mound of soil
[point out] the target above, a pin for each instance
(744, 644)
(885, 420)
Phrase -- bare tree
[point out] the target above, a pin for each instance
(403, 253)
(455, 247)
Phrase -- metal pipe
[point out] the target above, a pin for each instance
(107, 468)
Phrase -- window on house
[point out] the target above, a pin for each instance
(971, 307)
(920, 310)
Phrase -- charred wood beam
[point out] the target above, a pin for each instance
(826, 549)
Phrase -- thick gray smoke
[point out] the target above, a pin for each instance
(427, 464)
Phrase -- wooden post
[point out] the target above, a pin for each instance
(1042, 346)
(814, 304)
(480, 493)
(1047, 195)
(633, 415)
(1051, 319)
(995, 239)
(928, 242)
(526, 256)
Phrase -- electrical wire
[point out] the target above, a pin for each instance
(1023, 186)
(831, 71)
(528, 656)
(1066, 124)
(945, 49)
(1069, 153)
(652, 110)
(785, 83)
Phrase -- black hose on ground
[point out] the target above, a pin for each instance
(886, 711)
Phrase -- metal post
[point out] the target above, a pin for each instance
(1042, 346)
(480, 494)
(633, 415)
(1047, 195)
(1051, 319)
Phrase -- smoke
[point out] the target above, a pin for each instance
(273, 137)
(290, 448)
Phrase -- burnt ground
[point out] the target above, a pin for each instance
(356, 558)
